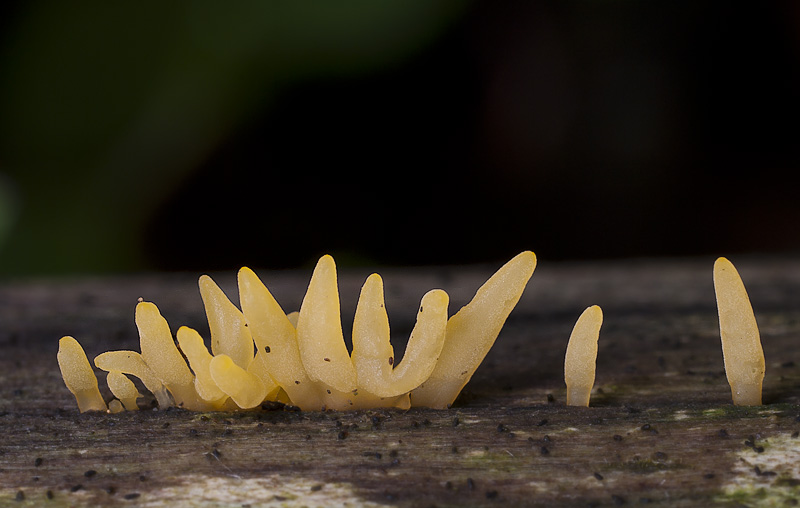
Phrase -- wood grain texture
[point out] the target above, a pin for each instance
(661, 429)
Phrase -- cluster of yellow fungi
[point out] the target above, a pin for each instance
(260, 353)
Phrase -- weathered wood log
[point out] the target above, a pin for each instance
(660, 429)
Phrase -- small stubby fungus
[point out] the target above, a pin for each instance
(123, 389)
(261, 353)
(79, 376)
(741, 342)
(581, 358)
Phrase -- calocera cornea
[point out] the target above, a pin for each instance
(581, 358)
(741, 341)
(261, 353)
(78, 375)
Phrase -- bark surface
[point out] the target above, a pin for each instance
(660, 428)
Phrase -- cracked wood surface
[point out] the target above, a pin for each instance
(661, 429)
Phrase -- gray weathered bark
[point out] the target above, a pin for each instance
(660, 429)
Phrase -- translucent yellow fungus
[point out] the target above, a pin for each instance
(246, 389)
(319, 331)
(229, 333)
(79, 376)
(191, 343)
(373, 355)
(275, 337)
(741, 342)
(131, 362)
(472, 331)
(123, 389)
(261, 353)
(162, 356)
(581, 358)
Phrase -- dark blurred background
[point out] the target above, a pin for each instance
(208, 135)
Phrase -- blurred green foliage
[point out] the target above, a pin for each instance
(106, 107)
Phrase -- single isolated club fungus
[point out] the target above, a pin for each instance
(741, 342)
(261, 353)
(581, 358)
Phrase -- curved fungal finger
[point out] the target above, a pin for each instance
(376, 373)
(79, 376)
(276, 341)
(162, 356)
(193, 346)
(425, 344)
(581, 358)
(131, 362)
(471, 332)
(229, 333)
(246, 389)
(319, 331)
(741, 341)
(373, 355)
(123, 389)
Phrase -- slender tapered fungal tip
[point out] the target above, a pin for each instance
(581, 358)
(471, 332)
(325, 263)
(229, 333)
(528, 257)
(161, 355)
(741, 341)
(319, 331)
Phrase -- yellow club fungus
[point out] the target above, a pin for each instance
(260, 353)
(123, 389)
(581, 358)
(131, 362)
(741, 342)
(79, 376)
(471, 332)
